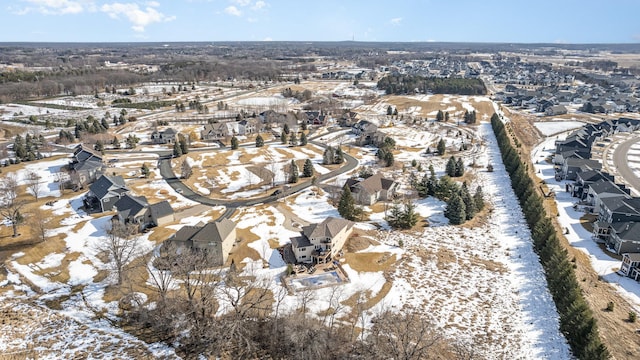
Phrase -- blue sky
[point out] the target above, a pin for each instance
(557, 21)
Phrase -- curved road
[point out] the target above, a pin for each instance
(620, 156)
(164, 164)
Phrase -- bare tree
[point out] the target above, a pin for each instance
(34, 182)
(10, 203)
(121, 245)
(39, 223)
(404, 336)
(186, 170)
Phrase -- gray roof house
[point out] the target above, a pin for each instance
(105, 191)
(216, 238)
(603, 189)
(168, 136)
(85, 167)
(572, 166)
(624, 237)
(136, 210)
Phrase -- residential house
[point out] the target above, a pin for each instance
(555, 110)
(580, 187)
(168, 136)
(603, 189)
(630, 265)
(137, 210)
(216, 131)
(249, 126)
(105, 192)
(571, 166)
(216, 238)
(619, 209)
(372, 189)
(321, 243)
(624, 237)
(85, 167)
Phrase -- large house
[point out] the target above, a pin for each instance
(136, 210)
(630, 266)
(168, 136)
(216, 238)
(85, 167)
(105, 192)
(624, 237)
(372, 189)
(321, 243)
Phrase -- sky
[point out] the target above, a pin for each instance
(516, 21)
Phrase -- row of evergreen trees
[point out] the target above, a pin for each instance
(401, 84)
(27, 148)
(576, 318)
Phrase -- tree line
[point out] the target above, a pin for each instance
(402, 84)
(576, 318)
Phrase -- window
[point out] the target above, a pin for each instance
(303, 257)
(302, 249)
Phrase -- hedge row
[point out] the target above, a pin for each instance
(576, 318)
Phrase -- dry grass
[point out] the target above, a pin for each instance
(241, 250)
(370, 261)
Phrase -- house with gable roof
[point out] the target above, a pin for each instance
(105, 192)
(216, 238)
(85, 167)
(136, 210)
(321, 243)
(372, 189)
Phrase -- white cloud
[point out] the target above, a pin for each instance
(232, 10)
(57, 7)
(258, 5)
(396, 21)
(267, 39)
(242, 2)
(138, 17)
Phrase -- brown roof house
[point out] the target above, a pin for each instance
(216, 238)
(320, 243)
(372, 189)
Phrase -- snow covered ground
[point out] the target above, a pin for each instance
(557, 126)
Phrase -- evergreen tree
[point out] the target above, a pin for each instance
(307, 169)
(445, 189)
(469, 203)
(328, 157)
(286, 129)
(303, 139)
(450, 168)
(259, 141)
(177, 150)
(389, 110)
(446, 116)
(388, 159)
(283, 137)
(347, 204)
(104, 123)
(459, 168)
(409, 216)
(115, 143)
(339, 156)
(440, 116)
(478, 198)
(145, 170)
(293, 172)
(293, 140)
(441, 147)
(19, 147)
(99, 146)
(394, 217)
(184, 144)
(132, 141)
(455, 210)
(234, 143)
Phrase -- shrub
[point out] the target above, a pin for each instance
(610, 306)
(632, 316)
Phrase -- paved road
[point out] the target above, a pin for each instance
(622, 164)
(164, 164)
